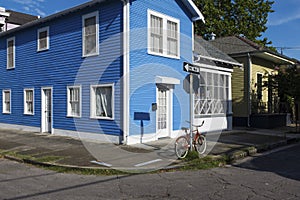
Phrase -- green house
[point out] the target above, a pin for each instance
(251, 93)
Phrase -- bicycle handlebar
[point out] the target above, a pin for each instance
(197, 126)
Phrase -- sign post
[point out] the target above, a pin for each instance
(192, 69)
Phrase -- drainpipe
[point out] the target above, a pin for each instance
(126, 80)
(249, 62)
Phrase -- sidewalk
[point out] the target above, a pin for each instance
(64, 151)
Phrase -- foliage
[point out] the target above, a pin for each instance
(234, 17)
(288, 79)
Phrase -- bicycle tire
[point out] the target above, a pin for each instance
(181, 147)
(201, 144)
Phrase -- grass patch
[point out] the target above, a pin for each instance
(194, 162)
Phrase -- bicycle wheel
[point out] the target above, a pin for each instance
(181, 147)
(201, 144)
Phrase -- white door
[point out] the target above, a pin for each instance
(47, 110)
(163, 112)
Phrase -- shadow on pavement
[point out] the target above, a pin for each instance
(284, 162)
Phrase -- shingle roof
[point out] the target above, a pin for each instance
(20, 18)
(236, 44)
(205, 49)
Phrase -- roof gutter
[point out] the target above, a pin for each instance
(191, 5)
(219, 60)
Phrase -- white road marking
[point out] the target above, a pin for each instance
(148, 163)
(101, 163)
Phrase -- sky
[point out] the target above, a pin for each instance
(283, 25)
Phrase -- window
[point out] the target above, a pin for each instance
(43, 39)
(212, 95)
(259, 86)
(11, 53)
(90, 31)
(6, 96)
(102, 101)
(74, 101)
(163, 36)
(28, 101)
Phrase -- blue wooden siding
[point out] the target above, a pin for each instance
(145, 67)
(62, 65)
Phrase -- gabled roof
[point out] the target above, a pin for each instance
(205, 50)
(19, 18)
(237, 46)
(196, 14)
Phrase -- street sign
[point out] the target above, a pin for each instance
(188, 67)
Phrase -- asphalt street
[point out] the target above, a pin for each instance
(272, 175)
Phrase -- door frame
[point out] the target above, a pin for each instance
(43, 122)
(169, 95)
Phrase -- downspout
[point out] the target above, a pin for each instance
(249, 99)
(126, 62)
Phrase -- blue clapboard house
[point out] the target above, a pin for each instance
(104, 70)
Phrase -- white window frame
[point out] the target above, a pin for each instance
(212, 102)
(69, 106)
(165, 19)
(45, 29)
(14, 53)
(93, 103)
(84, 17)
(25, 102)
(4, 111)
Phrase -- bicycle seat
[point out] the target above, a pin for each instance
(184, 128)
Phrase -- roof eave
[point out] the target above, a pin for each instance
(268, 55)
(197, 15)
(51, 17)
(221, 60)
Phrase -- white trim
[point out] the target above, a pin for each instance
(14, 53)
(43, 128)
(165, 19)
(47, 39)
(68, 101)
(202, 66)
(201, 17)
(217, 60)
(167, 80)
(3, 101)
(24, 99)
(84, 17)
(169, 112)
(92, 101)
(126, 71)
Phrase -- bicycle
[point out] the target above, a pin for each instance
(182, 143)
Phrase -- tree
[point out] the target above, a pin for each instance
(287, 82)
(234, 17)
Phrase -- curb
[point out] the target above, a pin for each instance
(240, 154)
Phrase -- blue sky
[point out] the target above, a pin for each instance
(283, 25)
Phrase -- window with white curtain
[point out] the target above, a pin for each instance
(102, 101)
(90, 31)
(212, 95)
(163, 35)
(74, 101)
(28, 101)
(6, 101)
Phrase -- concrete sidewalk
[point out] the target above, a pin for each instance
(68, 152)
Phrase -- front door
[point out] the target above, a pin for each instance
(47, 110)
(163, 112)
